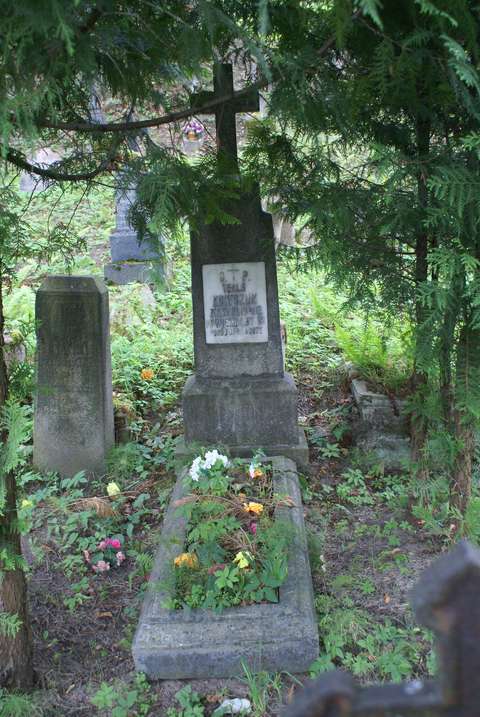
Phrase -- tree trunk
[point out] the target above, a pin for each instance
(16, 653)
(461, 481)
(467, 370)
(418, 428)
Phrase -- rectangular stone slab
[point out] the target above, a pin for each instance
(73, 423)
(199, 644)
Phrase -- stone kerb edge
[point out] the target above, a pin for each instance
(198, 644)
(369, 402)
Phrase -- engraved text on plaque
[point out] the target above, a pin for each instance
(235, 300)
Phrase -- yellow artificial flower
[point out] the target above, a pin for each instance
(255, 471)
(113, 490)
(188, 560)
(26, 503)
(256, 508)
(243, 559)
(147, 374)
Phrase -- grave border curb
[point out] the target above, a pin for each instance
(199, 644)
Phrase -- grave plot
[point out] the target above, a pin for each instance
(383, 425)
(200, 643)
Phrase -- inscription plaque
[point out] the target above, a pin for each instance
(235, 301)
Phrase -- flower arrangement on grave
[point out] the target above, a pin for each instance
(108, 554)
(236, 551)
(193, 131)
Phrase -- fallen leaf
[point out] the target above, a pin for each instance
(103, 614)
(213, 698)
(287, 501)
(184, 501)
(386, 598)
(101, 506)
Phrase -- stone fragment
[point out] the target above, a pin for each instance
(384, 428)
(234, 707)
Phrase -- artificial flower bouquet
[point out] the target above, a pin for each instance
(108, 554)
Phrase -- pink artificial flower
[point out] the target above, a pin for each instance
(101, 567)
(114, 543)
(103, 544)
(253, 528)
(120, 557)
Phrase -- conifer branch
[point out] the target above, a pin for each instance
(97, 128)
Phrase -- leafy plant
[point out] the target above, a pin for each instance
(190, 704)
(118, 700)
(235, 551)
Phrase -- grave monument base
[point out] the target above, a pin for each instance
(245, 414)
(143, 272)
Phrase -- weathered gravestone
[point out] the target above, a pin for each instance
(73, 424)
(44, 158)
(132, 259)
(239, 395)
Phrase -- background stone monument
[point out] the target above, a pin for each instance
(132, 260)
(43, 158)
(239, 395)
(73, 422)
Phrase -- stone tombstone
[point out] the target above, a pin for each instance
(44, 158)
(132, 260)
(73, 420)
(239, 395)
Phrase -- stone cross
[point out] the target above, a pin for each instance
(239, 396)
(226, 133)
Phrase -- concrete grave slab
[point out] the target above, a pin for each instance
(199, 644)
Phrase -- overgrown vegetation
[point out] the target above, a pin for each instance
(236, 550)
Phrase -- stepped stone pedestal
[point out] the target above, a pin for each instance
(240, 395)
(132, 260)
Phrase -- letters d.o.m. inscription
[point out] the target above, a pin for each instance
(235, 303)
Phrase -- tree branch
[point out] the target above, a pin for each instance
(206, 108)
(93, 128)
(19, 161)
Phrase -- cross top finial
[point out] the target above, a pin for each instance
(225, 112)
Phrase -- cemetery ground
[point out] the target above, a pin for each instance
(371, 531)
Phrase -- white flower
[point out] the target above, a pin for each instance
(195, 469)
(251, 470)
(211, 457)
